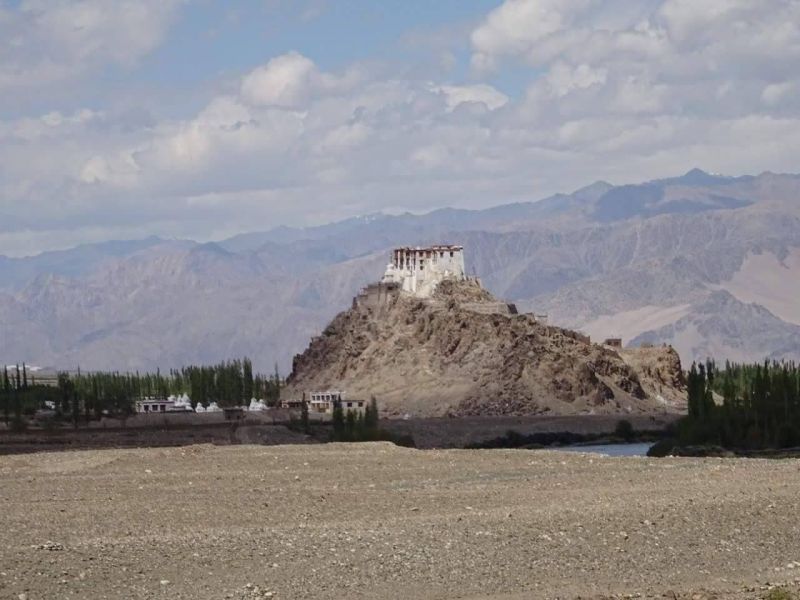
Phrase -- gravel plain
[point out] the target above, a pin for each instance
(379, 521)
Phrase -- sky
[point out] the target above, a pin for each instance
(201, 119)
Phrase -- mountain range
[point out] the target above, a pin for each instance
(707, 263)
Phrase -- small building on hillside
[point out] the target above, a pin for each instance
(358, 406)
(613, 342)
(323, 402)
(292, 403)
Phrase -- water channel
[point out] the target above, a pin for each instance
(639, 449)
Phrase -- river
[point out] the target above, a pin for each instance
(639, 449)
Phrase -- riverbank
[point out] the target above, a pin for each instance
(669, 447)
(466, 432)
(378, 521)
(271, 428)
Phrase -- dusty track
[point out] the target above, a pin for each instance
(376, 521)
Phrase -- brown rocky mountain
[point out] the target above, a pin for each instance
(463, 352)
(708, 264)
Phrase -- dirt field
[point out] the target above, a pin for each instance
(377, 521)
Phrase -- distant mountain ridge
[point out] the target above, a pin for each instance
(645, 261)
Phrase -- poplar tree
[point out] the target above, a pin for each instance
(6, 394)
(304, 423)
(338, 422)
(247, 373)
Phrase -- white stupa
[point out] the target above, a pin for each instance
(256, 405)
(182, 402)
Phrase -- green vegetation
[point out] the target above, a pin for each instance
(21, 396)
(779, 594)
(228, 384)
(81, 397)
(624, 430)
(357, 426)
(747, 407)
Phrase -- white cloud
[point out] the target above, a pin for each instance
(563, 78)
(44, 42)
(517, 25)
(478, 93)
(774, 93)
(620, 90)
(290, 80)
(283, 81)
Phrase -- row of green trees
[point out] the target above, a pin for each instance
(363, 426)
(743, 405)
(83, 396)
(355, 426)
(228, 384)
(20, 393)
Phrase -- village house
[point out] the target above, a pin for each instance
(154, 405)
(164, 405)
(324, 402)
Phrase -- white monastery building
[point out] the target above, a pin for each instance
(419, 270)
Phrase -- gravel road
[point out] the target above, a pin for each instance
(378, 521)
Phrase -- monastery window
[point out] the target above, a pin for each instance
(441, 254)
(349, 405)
(451, 254)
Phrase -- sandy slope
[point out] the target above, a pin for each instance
(376, 521)
(773, 283)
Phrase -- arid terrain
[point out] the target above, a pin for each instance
(463, 352)
(378, 521)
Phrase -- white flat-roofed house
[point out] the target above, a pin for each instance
(163, 405)
(354, 405)
(154, 405)
(323, 402)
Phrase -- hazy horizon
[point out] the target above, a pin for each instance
(384, 213)
(120, 120)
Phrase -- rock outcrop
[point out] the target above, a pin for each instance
(463, 352)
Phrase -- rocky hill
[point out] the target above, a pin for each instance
(463, 352)
(705, 263)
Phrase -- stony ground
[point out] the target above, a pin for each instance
(377, 521)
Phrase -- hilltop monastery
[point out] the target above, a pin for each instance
(418, 271)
